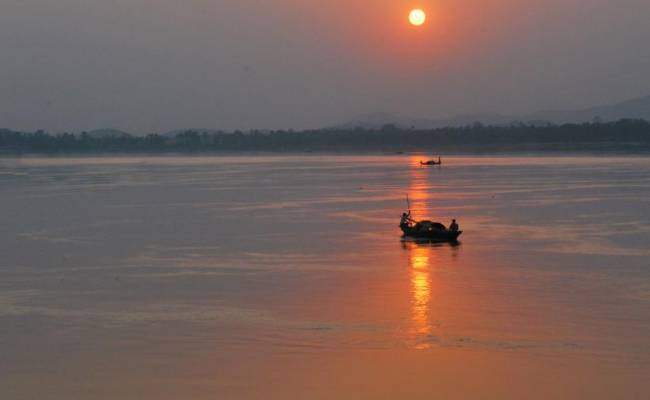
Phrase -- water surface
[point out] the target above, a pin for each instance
(286, 277)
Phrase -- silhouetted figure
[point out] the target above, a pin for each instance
(454, 226)
(406, 220)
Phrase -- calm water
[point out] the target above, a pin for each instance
(275, 277)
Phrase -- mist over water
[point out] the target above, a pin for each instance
(286, 277)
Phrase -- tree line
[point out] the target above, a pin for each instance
(620, 136)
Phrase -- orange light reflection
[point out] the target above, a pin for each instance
(421, 294)
(419, 262)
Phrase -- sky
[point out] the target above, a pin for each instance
(158, 65)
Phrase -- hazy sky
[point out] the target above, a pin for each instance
(157, 65)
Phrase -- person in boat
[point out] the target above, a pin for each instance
(406, 220)
(454, 226)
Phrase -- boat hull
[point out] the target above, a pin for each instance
(433, 234)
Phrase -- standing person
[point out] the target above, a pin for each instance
(454, 226)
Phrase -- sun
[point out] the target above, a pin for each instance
(417, 17)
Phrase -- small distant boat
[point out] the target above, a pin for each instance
(432, 162)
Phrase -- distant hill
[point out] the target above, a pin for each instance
(638, 108)
(175, 132)
(108, 133)
(377, 120)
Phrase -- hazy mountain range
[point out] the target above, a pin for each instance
(638, 108)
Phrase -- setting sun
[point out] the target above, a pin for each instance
(417, 17)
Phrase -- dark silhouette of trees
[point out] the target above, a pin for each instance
(621, 136)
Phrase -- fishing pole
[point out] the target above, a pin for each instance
(408, 203)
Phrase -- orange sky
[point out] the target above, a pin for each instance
(152, 65)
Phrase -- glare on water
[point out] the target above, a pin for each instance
(286, 277)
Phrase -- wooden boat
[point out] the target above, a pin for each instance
(433, 231)
(432, 162)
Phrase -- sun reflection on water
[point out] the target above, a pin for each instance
(424, 258)
(421, 292)
(420, 262)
